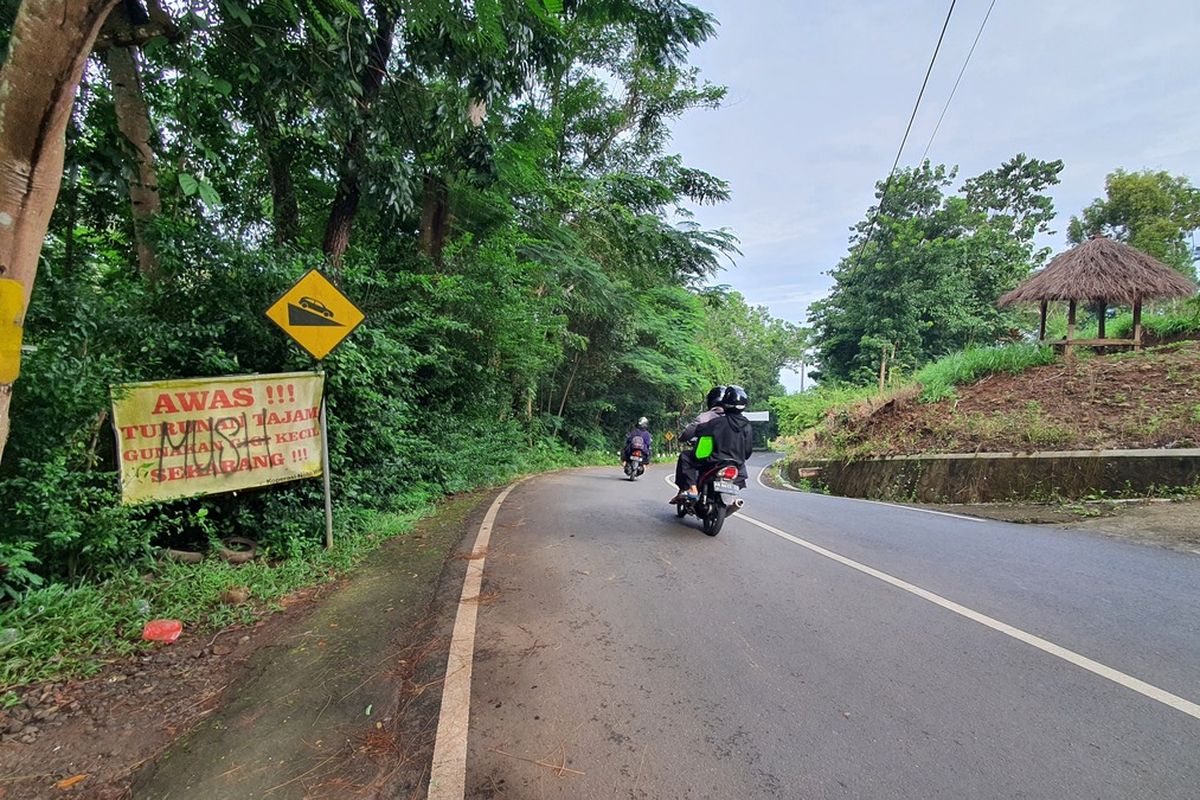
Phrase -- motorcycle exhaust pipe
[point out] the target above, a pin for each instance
(735, 506)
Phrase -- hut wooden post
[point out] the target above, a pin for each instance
(1070, 329)
(1042, 324)
(1100, 321)
(1137, 324)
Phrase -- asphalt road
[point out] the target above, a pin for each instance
(622, 653)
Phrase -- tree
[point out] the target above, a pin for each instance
(1153, 211)
(127, 28)
(50, 43)
(751, 345)
(504, 203)
(924, 279)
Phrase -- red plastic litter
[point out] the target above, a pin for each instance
(162, 630)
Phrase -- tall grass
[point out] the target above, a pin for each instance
(796, 413)
(939, 378)
(1161, 326)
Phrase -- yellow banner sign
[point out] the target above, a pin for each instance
(208, 435)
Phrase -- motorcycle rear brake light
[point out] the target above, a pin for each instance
(729, 473)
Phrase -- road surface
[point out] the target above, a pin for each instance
(821, 648)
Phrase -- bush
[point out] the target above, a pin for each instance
(417, 398)
(796, 413)
(939, 378)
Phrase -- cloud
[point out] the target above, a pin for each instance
(821, 92)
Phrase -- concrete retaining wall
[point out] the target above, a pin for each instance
(989, 477)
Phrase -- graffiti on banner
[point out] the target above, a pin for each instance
(184, 438)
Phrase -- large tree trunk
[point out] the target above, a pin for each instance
(435, 217)
(349, 189)
(50, 43)
(133, 119)
(285, 209)
(127, 28)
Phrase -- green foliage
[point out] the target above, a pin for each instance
(562, 303)
(752, 345)
(64, 629)
(939, 378)
(924, 278)
(1183, 321)
(1153, 211)
(802, 411)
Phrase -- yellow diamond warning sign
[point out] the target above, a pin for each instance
(316, 314)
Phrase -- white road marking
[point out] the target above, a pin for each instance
(763, 483)
(448, 776)
(877, 502)
(1070, 656)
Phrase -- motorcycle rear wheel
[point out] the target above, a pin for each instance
(713, 521)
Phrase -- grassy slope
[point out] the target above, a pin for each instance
(1149, 399)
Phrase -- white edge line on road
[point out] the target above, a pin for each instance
(877, 502)
(448, 775)
(1070, 656)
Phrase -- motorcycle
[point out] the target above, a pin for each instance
(718, 497)
(635, 465)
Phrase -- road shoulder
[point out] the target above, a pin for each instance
(337, 692)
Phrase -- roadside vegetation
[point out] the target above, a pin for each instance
(489, 182)
(912, 349)
(1019, 402)
(935, 381)
(938, 379)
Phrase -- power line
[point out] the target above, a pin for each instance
(888, 183)
(956, 82)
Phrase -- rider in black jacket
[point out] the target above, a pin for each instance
(733, 439)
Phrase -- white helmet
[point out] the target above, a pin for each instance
(643, 422)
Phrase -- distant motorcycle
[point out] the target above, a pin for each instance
(635, 465)
(718, 496)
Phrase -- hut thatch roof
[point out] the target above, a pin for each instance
(1102, 270)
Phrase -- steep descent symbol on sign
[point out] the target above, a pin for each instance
(302, 317)
(315, 314)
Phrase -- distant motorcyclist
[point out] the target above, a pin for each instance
(637, 439)
(712, 408)
(732, 437)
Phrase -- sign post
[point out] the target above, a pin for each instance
(318, 317)
(325, 477)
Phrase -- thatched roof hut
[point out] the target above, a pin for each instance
(1100, 272)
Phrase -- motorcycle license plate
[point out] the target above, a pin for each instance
(725, 486)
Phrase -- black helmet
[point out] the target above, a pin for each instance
(734, 399)
(714, 397)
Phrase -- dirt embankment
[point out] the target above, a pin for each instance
(1121, 401)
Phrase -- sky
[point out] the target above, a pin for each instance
(820, 92)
